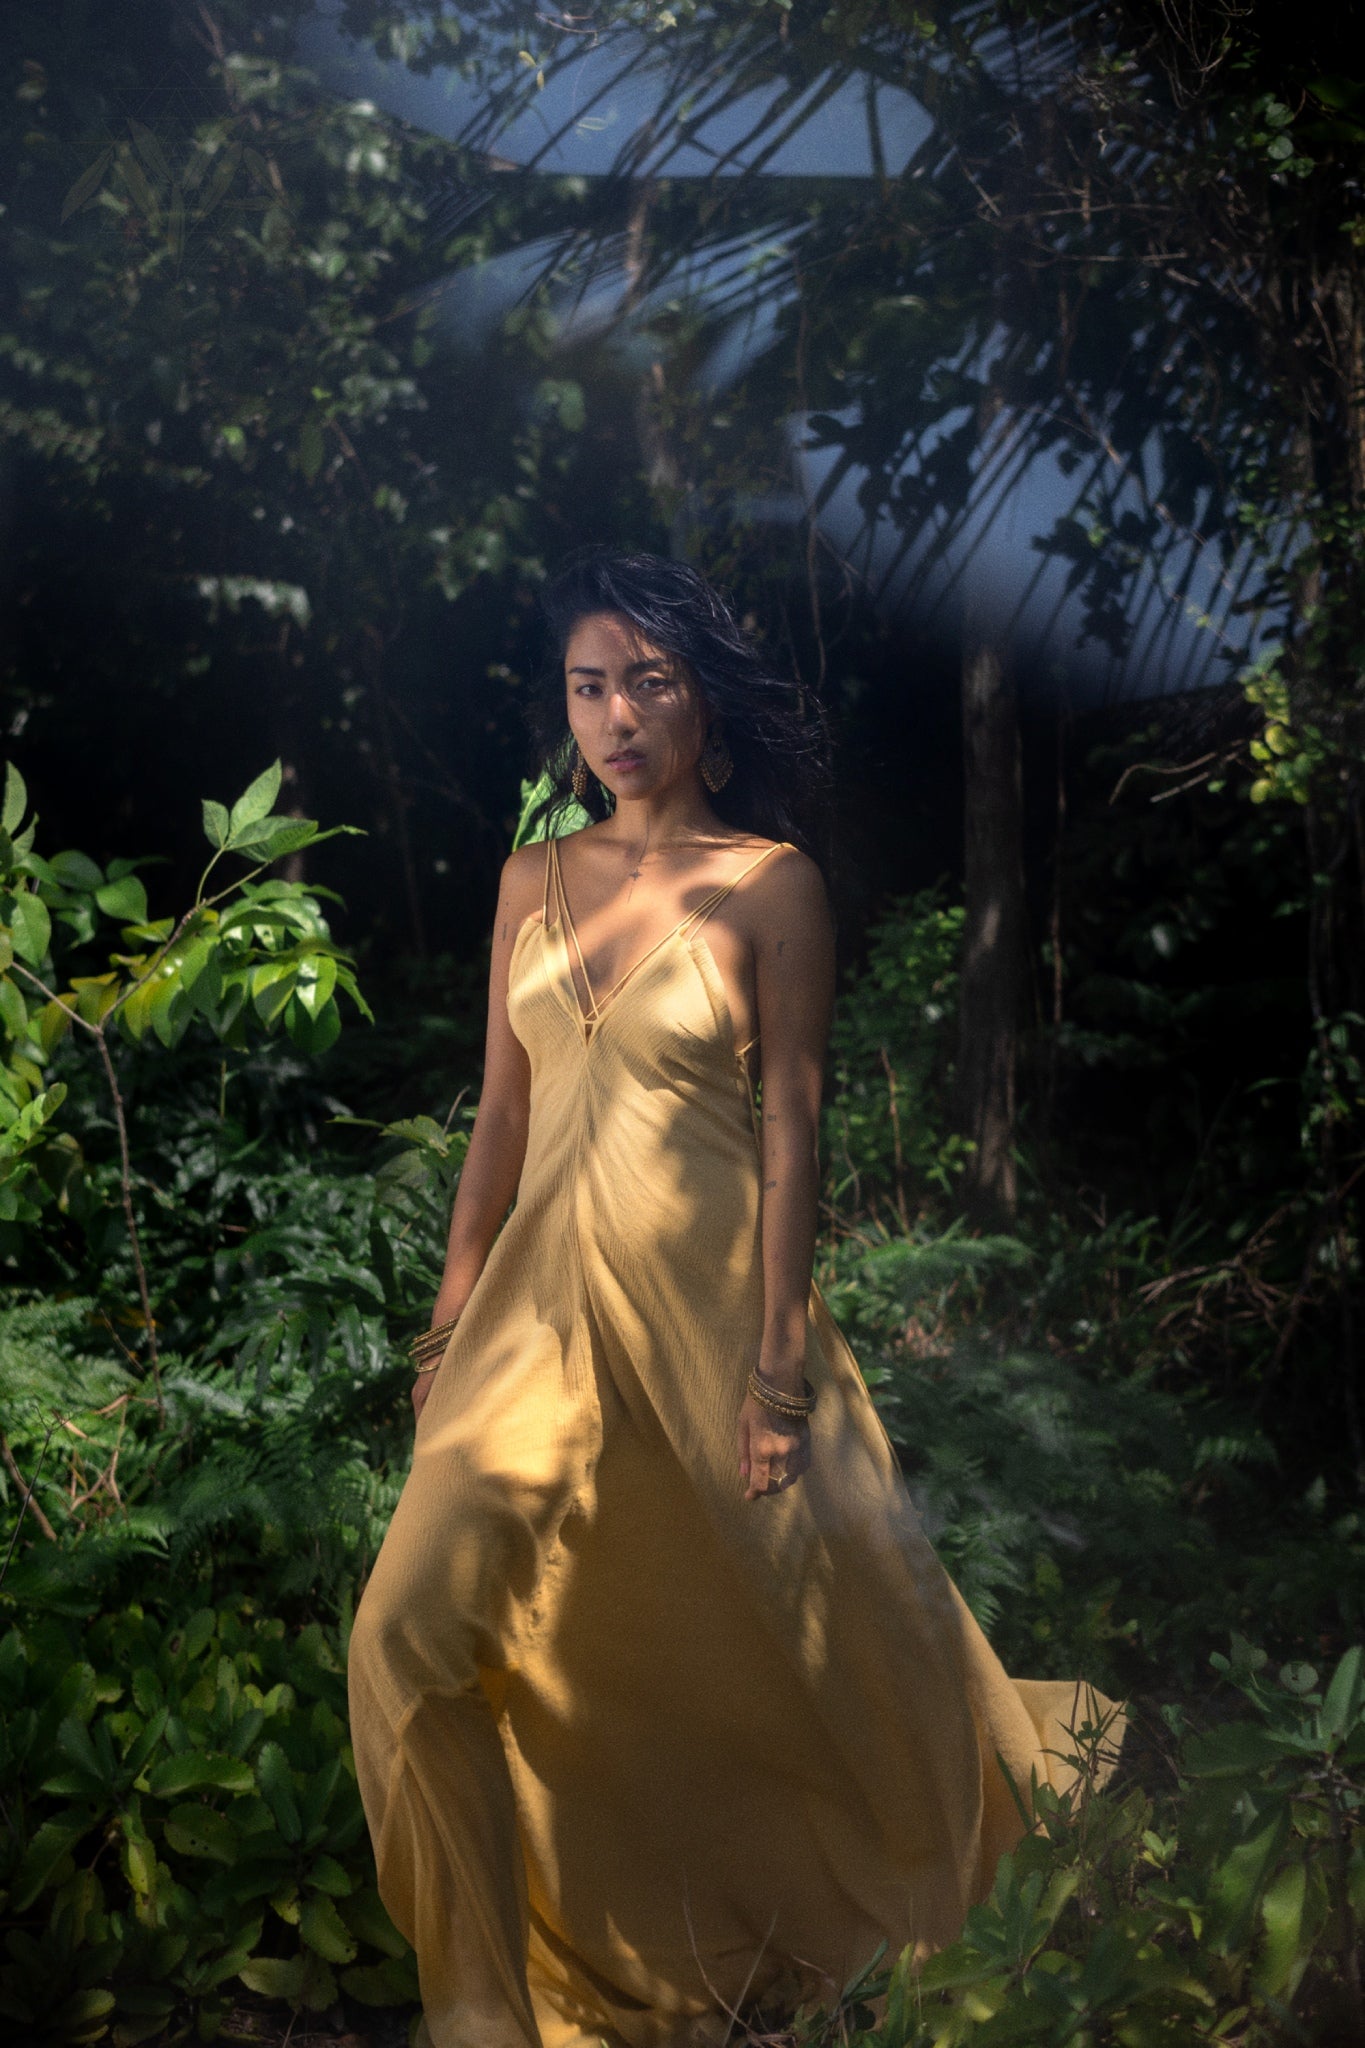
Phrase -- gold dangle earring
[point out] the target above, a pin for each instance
(717, 762)
(578, 780)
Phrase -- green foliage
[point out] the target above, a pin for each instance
(1098, 1512)
(1230, 1906)
(183, 1819)
(260, 1475)
(888, 1139)
(1102, 1507)
(252, 956)
(1290, 756)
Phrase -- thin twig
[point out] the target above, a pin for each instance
(130, 1218)
(731, 2011)
(1158, 768)
(28, 1501)
(25, 1489)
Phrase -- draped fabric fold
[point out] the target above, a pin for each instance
(631, 1748)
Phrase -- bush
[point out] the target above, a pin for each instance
(1228, 1907)
(185, 1816)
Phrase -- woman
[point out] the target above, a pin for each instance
(661, 1701)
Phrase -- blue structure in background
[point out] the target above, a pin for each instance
(601, 112)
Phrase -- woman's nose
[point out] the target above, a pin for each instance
(621, 716)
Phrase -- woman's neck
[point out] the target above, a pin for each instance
(670, 818)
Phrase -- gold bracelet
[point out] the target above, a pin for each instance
(430, 1343)
(793, 1407)
(433, 1367)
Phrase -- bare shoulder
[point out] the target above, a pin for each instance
(523, 881)
(792, 882)
(784, 910)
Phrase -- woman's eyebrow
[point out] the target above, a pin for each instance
(633, 668)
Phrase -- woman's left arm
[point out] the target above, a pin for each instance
(794, 981)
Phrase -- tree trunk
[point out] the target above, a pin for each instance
(995, 947)
(659, 460)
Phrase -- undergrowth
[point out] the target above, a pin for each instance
(180, 1823)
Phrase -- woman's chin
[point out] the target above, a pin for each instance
(629, 783)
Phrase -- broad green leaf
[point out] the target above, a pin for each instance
(322, 1929)
(254, 803)
(136, 1013)
(139, 1866)
(31, 925)
(206, 991)
(15, 799)
(316, 983)
(250, 915)
(79, 2012)
(6, 949)
(196, 1770)
(274, 1976)
(199, 1831)
(1239, 1748)
(392, 1982)
(313, 1035)
(1235, 1885)
(95, 995)
(271, 988)
(13, 1009)
(1282, 1914)
(1345, 1697)
(153, 933)
(273, 838)
(73, 1740)
(54, 1021)
(366, 1916)
(215, 822)
(277, 1787)
(327, 1875)
(45, 1855)
(141, 1749)
(76, 870)
(126, 900)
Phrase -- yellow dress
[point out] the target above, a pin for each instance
(632, 1749)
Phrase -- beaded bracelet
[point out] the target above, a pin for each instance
(792, 1407)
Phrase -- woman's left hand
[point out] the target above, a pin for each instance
(773, 1453)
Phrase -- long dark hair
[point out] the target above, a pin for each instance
(775, 732)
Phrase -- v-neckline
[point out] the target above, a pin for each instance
(590, 1019)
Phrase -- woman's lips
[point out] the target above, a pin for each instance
(624, 762)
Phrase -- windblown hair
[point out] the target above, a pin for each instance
(776, 734)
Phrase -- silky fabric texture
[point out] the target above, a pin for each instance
(632, 1748)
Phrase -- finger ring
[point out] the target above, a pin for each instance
(777, 1477)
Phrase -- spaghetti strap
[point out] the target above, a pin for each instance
(697, 918)
(591, 1013)
(545, 899)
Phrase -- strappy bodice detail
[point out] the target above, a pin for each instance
(597, 1006)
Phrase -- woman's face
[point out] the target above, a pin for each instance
(635, 710)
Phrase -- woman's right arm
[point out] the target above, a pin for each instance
(497, 1144)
